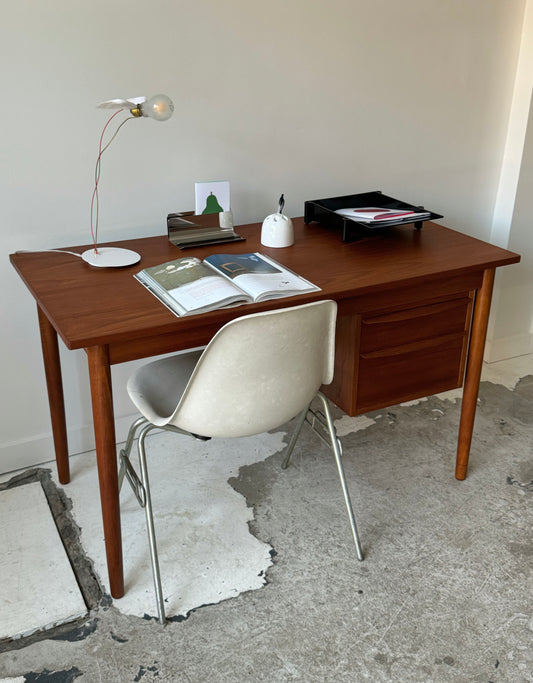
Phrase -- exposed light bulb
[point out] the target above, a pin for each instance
(158, 107)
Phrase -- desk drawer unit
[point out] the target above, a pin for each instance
(407, 353)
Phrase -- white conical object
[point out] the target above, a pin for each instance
(277, 231)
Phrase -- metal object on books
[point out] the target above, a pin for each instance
(186, 230)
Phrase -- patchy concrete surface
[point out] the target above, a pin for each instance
(444, 593)
(206, 551)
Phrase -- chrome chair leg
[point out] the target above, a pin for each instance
(294, 438)
(141, 489)
(338, 454)
(126, 468)
(150, 524)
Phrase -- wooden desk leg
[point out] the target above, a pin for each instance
(54, 385)
(104, 431)
(473, 372)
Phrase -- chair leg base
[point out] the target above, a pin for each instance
(150, 525)
(335, 445)
(141, 489)
(322, 425)
(294, 438)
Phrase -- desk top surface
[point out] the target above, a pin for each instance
(92, 306)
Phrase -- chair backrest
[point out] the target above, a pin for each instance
(259, 371)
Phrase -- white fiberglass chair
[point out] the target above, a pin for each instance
(257, 373)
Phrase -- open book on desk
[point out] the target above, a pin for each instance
(189, 285)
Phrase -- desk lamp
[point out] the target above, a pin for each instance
(158, 107)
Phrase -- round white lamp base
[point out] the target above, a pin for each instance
(110, 257)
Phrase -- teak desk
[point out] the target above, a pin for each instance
(412, 319)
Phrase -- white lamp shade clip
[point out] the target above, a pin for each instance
(158, 107)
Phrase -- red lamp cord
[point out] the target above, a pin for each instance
(94, 199)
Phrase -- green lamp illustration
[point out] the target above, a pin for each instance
(212, 205)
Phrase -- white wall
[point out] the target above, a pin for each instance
(511, 332)
(511, 324)
(307, 97)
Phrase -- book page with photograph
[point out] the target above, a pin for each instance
(187, 285)
(262, 278)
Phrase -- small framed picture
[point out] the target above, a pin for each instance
(212, 197)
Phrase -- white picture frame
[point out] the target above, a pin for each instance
(212, 197)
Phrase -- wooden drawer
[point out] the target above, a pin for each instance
(410, 371)
(401, 353)
(414, 324)
(413, 352)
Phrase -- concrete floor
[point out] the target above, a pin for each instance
(444, 593)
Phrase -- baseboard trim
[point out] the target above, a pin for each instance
(508, 347)
(39, 449)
